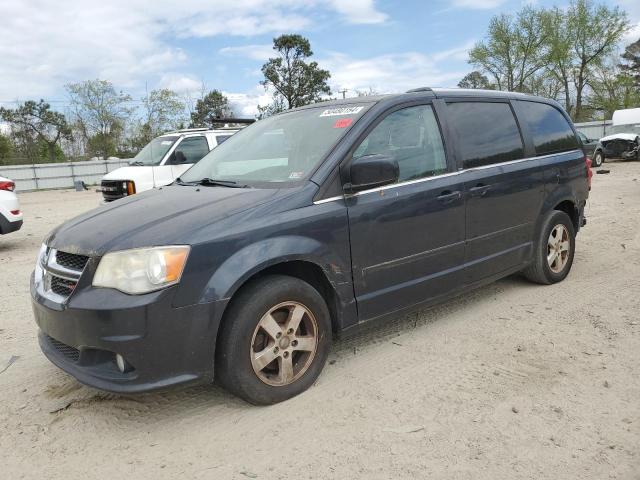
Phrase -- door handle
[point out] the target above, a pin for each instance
(448, 196)
(479, 190)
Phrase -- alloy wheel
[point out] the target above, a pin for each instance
(284, 343)
(558, 246)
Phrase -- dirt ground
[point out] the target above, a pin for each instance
(511, 381)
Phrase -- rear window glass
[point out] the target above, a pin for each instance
(487, 133)
(549, 128)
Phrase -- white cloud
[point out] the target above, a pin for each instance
(260, 52)
(477, 4)
(183, 84)
(359, 11)
(44, 45)
(245, 105)
(393, 72)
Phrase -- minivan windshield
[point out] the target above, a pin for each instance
(285, 148)
(154, 151)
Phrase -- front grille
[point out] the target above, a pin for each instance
(69, 352)
(113, 190)
(71, 260)
(62, 286)
(62, 271)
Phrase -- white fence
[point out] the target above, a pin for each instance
(603, 128)
(59, 175)
(595, 129)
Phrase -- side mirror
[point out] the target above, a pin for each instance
(371, 171)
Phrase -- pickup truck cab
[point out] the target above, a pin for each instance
(308, 224)
(162, 160)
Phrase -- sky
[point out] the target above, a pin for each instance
(384, 45)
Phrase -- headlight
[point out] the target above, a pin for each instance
(141, 270)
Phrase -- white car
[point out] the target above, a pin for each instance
(10, 214)
(163, 160)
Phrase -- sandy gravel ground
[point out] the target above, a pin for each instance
(511, 381)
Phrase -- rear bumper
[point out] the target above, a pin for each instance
(8, 227)
(163, 346)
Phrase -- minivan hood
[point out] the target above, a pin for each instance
(164, 216)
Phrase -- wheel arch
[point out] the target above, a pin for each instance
(297, 256)
(563, 201)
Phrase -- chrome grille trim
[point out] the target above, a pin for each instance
(49, 271)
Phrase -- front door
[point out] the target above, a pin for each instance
(503, 190)
(189, 151)
(407, 239)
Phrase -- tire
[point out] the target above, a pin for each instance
(542, 270)
(255, 348)
(598, 159)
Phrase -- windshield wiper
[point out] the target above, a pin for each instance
(179, 181)
(221, 183)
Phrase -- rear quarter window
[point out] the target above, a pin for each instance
(550, 130)
(487, 133)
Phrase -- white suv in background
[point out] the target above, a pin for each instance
(163, 160)
(10, 214)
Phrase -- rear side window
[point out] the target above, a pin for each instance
(487, 133)
(549, 128)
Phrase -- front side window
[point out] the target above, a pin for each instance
(550, 130)
(487, 133)
(190, 150)
(154, 151)
(284, 148)
(411, 136)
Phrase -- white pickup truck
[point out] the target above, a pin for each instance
(163, 160)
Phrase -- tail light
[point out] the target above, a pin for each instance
(7, 185)
(15, 212)
(587, 161)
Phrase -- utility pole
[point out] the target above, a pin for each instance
(343, 92)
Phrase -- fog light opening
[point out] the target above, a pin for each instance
(122, 364)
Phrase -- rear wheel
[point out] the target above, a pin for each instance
(598, 159)
(554, 249)
(275, 340)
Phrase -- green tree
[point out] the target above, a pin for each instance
(6, 148)
(475, 80)
(631, 62)
(163, 110)
(296, 80)
(612, 89)
(560, 53)
(101, 114)
(595, 31)
(36, 120)
(213, 106)
(515, 48)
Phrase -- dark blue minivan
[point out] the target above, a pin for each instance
(306, 224)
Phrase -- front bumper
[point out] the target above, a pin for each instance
(163, 345)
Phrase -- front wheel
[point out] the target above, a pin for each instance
(553, 250)
(274, 341)
(598, 159)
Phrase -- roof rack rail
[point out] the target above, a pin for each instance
(186, 130)
(235, 120)
(421, 89)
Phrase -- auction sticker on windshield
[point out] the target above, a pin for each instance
(332, 112)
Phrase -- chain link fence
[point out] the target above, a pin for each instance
(41, 176)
